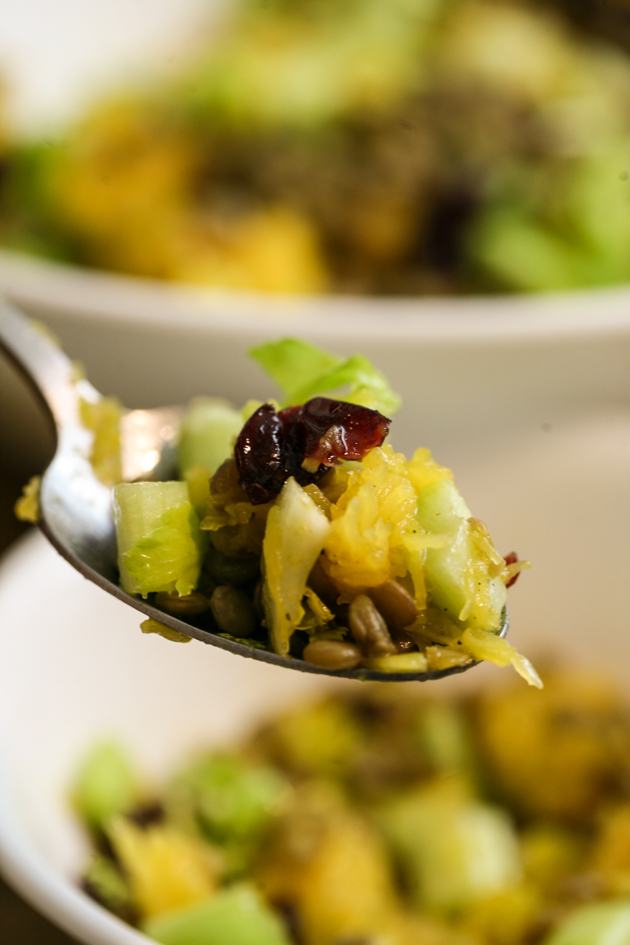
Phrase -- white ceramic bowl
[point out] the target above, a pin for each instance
(529, 400)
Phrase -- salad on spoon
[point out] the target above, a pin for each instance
(289, 530)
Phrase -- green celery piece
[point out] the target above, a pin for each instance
(107, 883)
(443, 511)
(207, 434)
(302, 371)
(445, 738)
(442, 508)
(159, 541)
(234, 916)
(232, 798)
(604, 923)
(518, 251)
(453, 850)
(105, 784)
(598, 208)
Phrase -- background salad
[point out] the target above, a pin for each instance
(408, 147)
(498, 819)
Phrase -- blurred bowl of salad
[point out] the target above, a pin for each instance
(416, 148)
(420, 176)
(200, 799)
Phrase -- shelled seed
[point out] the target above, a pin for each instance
(332, 654)
(322, 585)
(233, 611)
(189, 605)
(368, 627)
(231, 569)
(395, 604)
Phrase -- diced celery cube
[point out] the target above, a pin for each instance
(236, 916)
(159, 541)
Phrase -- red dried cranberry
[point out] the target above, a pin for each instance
(334, 430)
(303, 442)
(512, 558)
(259, 455)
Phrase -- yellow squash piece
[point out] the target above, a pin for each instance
(167, 870)
(375, 534)
(27, 506)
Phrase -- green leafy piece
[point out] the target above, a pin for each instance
(453, 849)
(235, 916)
(605, 923)
(231, 798)
(107, 885)
(302, 371)
(105, 785)
(159, 540)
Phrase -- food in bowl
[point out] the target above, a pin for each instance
(404, 148)
(380, 817)
(294, 527)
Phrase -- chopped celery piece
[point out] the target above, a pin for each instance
(105, 784)
(605, 923)
(235, 916)
(446, 738)
(442, 507)
(207, 434)
(159, 541)
(232, 798)
(107, 885)
(463, 576)
(198, 482)
(453, 849)
(302, 371)
(520, 252)
(294, 537)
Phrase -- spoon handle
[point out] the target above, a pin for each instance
(35, 352)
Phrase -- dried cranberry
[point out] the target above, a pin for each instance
(334, 430)
(512, 558)
(303, 442)
(259, 455)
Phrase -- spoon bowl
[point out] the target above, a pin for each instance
(75, 507)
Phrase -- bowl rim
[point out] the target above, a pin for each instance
(51, 894)
(25, 868)
(71, 292)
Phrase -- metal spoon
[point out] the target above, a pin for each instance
(76, 508)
